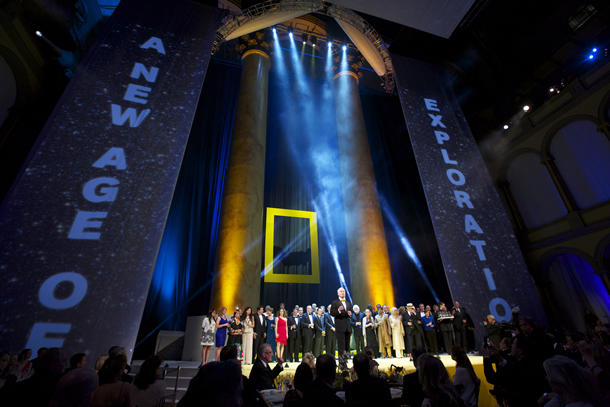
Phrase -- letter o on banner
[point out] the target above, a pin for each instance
(461, 180)
(493, 306)
(47, 298)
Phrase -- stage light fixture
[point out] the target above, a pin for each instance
(552, 90)
(344, 47)
(290, 31)
(590, 56)
(304, 38)
(526, 108)
(314, 41)
(506, 127)
(274, 30)
(330, 43)
(594, 49)
(38, 33)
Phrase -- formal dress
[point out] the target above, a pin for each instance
(235, 338)
(282, 331)
(271, 333)
(370, 336)
(248, 341)
(398, 339)
(208, 332)
(221, 333)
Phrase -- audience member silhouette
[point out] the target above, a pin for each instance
(75, 388)
(320, 392)
(367, 388)
(217, 384)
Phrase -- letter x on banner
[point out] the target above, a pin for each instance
(484, 266)
(81, 226)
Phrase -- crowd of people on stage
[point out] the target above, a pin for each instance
(527, 365)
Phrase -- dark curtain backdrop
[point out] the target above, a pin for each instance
(301, 173)
(181, 282)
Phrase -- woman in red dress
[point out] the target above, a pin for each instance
(281, 332)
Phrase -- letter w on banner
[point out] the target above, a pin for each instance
(484, 266)
(81, 226)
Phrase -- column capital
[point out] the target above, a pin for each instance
(348, 66)
(255, 43)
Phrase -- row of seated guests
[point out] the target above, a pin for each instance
(54, 384)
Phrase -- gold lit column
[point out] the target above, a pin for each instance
(369, 263)
(239, 253)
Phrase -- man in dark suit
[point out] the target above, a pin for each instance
(294, 336)
(320, 332)
(356, 323)
(411, 327)
(412, 393)
(320, 392)
(261, 375)
(260, 328)
(307, 330)
(494, 330)
(459, 326)
(331, 334)
(341, 309)
(367, 388)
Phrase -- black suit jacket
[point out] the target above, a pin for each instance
(319, 326)
(305, 321)
(412, 394)
(494, 331)
(296, 332)
(459, 317)
(368, 388)
(357, 328)
(342, 323)
(261, 377)
(328, 321)
(258, 328)
(320, 394)
(413, 328)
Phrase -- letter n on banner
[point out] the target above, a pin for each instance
(484, 266)
(81, 226)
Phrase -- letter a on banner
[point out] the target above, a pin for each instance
(81, 226)
(448, 159)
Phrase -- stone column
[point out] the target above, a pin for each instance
(605, 128)
(369, 263)
(605, 276)
(237, 273)
(562, 188)
(505, 185)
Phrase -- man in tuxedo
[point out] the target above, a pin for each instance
(412, 328)
(294, 336)
(341, 309)
(261, 375)
(412, 393)
(367, 387)
(307, 330)
(331, 334)
(260, 328)
(320, 332)
(459, 326)
(421, 313)
(356, 323)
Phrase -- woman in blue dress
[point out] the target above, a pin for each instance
(271, 330)
(221, 331)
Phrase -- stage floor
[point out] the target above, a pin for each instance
(485, 399)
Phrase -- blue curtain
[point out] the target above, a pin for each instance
(417, 269)
(181, 282)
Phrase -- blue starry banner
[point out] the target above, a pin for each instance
(484, 266)
(81, 226)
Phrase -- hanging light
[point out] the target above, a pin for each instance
(304, 38)
(314, 41)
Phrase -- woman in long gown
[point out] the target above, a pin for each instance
(221, 331)
(281, 332)
(398, 333)
(235, 339)
(247, 336)
(208, 335)
(384, 334)
(370, 338)
(271, 330)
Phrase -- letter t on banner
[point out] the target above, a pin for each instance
(483, 263)
(81, 226)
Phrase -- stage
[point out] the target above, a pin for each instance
(189, 370)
